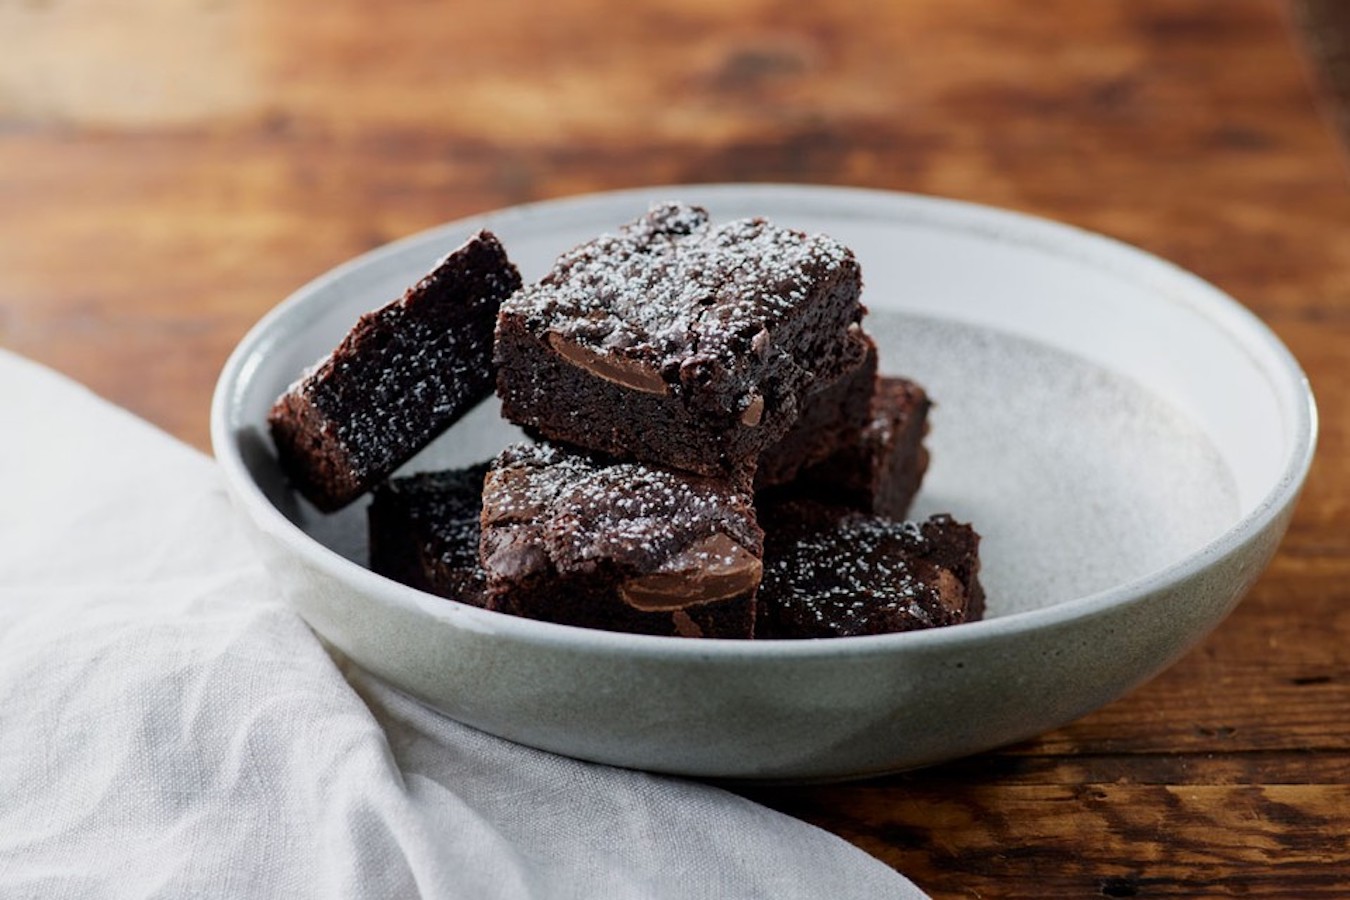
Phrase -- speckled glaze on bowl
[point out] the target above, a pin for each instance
(1129, 440)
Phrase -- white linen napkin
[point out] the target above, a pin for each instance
(170, 728)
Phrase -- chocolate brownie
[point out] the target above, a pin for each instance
(881, 470)
(831, 572)
(403, 375)
(834, 417)
(424, 532)
(620, 546)
(677, 342)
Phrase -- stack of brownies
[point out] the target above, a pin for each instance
(714, 453)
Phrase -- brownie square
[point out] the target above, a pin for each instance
(580, 540)
(677, 342)
(832, 572)
(834, 417)
(424, 532)
(881, 470)
(400, 377)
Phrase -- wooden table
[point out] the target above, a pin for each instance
(170, 170)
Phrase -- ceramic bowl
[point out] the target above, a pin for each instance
(1128, 440)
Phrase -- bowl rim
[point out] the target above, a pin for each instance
(1290, 384)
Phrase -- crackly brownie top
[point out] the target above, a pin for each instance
(670, 538)
(671, 286)
(828, 572)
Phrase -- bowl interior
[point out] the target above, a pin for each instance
(1100, 414)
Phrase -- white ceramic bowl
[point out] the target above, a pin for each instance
(1129, 441)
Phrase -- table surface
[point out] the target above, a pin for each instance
(170, 170)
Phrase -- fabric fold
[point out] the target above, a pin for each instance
(169, 727)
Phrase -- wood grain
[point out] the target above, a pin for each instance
(170, 169)
(1098, 838)
(1324, 28)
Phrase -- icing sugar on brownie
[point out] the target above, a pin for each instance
(830, 572)
(672, 282)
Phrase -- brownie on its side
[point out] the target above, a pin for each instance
(830, 572)
(881, 471)
(424, 532)
(677, 342)
(834, 418)
(618, 546)
(400, 377)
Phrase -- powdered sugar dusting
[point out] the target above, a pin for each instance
(626, 513)
(858, 574)
(442, 508)
(672, 281)
(427, 373)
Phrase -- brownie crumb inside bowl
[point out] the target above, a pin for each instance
(1048, 352)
